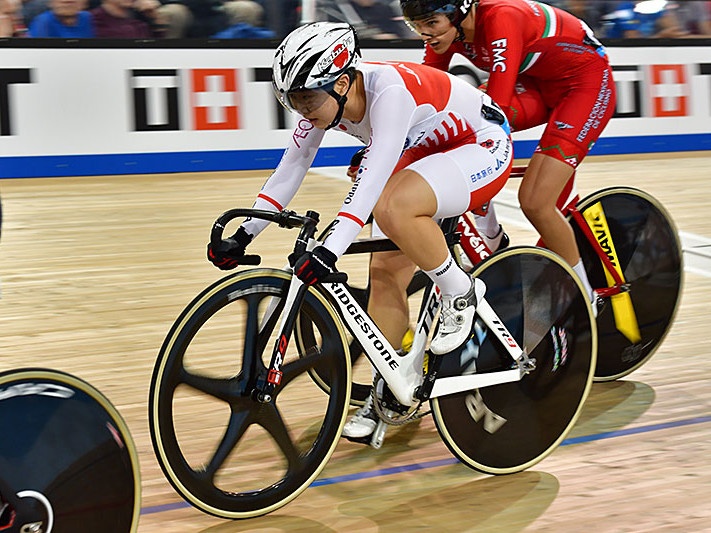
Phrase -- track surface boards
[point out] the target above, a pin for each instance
(94, 271)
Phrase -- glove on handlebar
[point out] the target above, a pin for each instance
(356, 160)
(313, 266)
(227, 254)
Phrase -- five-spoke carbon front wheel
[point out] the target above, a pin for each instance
(223, 450)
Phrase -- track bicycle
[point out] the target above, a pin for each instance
(240, 426)
(633, 257)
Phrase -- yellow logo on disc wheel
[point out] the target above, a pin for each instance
(622, 308)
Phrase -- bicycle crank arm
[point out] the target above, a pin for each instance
(607, 292)
(376, 440)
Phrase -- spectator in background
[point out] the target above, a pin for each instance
(32, 8)
(176, 18)
(245, 21)
(11, 21)
(114, 19)
(621, 21)
(200, 19)
(171, 22)
(667, 24)
(208, 18)
(281, 16)
(642, 19)
(588, 12)
(694, 16)
(7, 17)
(373, 19)
(66, 19)
(380, 15)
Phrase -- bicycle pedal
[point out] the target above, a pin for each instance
(376, 439)
(360, 440)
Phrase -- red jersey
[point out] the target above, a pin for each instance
(545, 66)
(513, 37)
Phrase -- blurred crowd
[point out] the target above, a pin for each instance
(274, 19)
(643, 18)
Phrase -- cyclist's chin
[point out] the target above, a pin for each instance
(319, 123)
(440, 47)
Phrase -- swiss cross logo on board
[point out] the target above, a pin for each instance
(160, 99)
(669, 91)
(215, 99)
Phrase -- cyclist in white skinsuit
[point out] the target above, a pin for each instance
(437, 147)
(400, 114)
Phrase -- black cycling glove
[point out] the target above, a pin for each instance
(227, 254)
(313, 266)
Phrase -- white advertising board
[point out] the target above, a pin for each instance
(134, 110)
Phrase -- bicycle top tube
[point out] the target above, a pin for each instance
(383, 244)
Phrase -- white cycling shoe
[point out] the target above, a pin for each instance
(362, 423)
(365, 427)
(456, 319)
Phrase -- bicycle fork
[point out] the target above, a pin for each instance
(297, 290)
(295, 295)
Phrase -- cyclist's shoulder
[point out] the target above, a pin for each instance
(379, 76)
(425, 83)
(493, 11)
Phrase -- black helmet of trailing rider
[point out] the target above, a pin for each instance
(455, 10)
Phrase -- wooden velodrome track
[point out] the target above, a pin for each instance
(94, 271)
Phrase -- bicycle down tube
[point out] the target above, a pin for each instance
(404, 373)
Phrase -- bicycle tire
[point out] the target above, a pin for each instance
(650, 256)
(216, 353)
(67, 459)
(507, 428)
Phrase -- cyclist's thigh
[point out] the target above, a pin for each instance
(580, 115)
(467, 176)
(527, 108)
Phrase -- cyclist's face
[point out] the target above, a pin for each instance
(315, 105)
(436, 30)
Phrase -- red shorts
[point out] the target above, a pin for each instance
(576, 110)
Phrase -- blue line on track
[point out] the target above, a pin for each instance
(451, 460)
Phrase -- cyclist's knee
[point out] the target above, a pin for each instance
(537, 208)
(388, 217)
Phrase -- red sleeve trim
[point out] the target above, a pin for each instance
(271, 201)
(353, 218)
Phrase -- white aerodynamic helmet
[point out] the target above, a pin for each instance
(314, 56)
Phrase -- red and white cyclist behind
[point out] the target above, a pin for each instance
(437, 147)
(545, 67)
